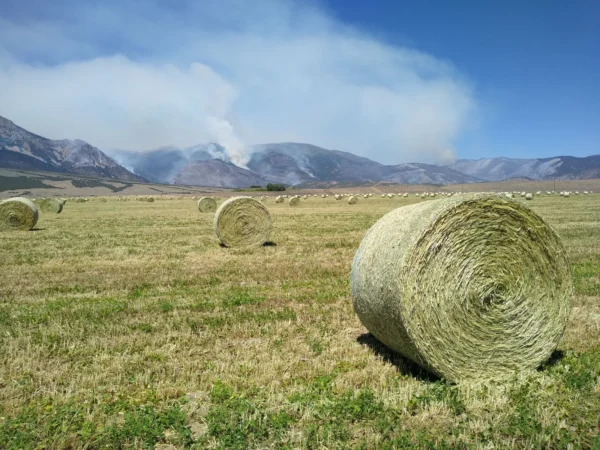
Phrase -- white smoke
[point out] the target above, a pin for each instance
(286, 72)
(226, 137)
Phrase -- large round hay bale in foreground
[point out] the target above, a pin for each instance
(471, 287)
(51, 205)
(17, 213)
(242, 221)
(207, 205)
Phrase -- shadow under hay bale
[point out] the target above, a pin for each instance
(555, 358)
(403, 365)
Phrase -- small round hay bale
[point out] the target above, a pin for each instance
(338, 197)
(279, 199)
(467, 287)
(18, 213)
(150, 199)
(567, 194)
(207, 205)
(529, 196)
(294, 201)
(352, 200)
(242, 221)
(51, 205)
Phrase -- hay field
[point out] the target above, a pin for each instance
(125, 325)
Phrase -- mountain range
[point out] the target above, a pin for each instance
(287, 163)
(21, 149)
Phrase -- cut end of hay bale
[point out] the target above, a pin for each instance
(471, 287)
(242, 221)
(207, 205)
(51, 205)
(18, 213)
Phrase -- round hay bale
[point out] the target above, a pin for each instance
(207, 204)
(352, 200)
(529, 196)
(18, 213)
(242, 221)
(150, 199)
(279, 199)
(294, 201)
(471, 287)
(51, 205)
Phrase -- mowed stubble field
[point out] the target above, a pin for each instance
(125, 325)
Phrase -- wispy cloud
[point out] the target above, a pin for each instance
(143, 74)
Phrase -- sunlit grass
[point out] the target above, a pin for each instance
(124, 324)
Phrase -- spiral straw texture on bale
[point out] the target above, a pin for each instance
(352, 200)
(471, 287)
(18, 214)
(51, 205)
(294, 201)
(242, 221)
(207, 204)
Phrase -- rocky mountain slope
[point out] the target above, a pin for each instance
(289, 163)
(427, 174)
(20, 149)
(560, 167)
(217, 173)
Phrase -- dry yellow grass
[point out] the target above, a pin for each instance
(126, 325)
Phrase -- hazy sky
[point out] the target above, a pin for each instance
(393, 81)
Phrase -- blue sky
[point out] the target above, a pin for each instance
(393, 81)
(535, 66)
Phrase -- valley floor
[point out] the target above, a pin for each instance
(125, 325)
